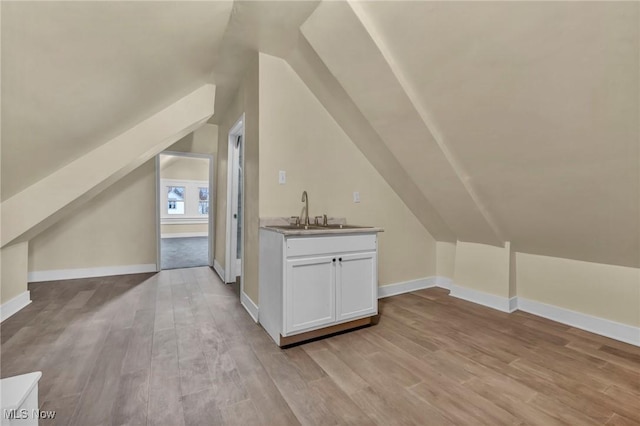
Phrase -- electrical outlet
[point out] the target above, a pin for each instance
(356, 197)
(282, 177)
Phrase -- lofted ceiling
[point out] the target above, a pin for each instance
(539, 101)
(77, 74)
(494, 121)
(255, 26)
(518, 121)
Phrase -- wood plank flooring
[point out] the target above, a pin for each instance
(176, 348)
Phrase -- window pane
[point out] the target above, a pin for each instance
(203, 207)
(176, 207)
(204, 194)
(175, 199)
(175, 193)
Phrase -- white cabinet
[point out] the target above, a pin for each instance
(356, 296)
(19, 400)
(310, 293)
(308, 283)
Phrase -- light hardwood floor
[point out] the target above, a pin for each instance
(177, 348)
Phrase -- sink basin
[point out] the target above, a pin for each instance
(316, 227)
(336, 226)
(296, 227)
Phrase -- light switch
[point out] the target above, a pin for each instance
(356, 197)
(282, 177)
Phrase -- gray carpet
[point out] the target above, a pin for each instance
(184, 252)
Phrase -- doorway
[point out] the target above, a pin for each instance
(184, 210)
(235, 204)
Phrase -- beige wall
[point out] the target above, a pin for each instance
(30, 212)
(246, 101)
(183, 228)
(187, 168)
(299, 136)
(115, 228)
(231, 116)
(482, 267)
(252, 183)
(445, 259)
(605, 291)
(202, 141)
(513, 277)
(14, 271)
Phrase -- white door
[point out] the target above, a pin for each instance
(356, 286)
(236, 208)
(310, 298)
(235, 204)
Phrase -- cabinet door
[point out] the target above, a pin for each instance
(356, 286)
(310, 298)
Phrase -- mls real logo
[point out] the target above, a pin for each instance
(25, 414)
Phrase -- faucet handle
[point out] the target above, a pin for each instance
(295, 220)
(325, 221)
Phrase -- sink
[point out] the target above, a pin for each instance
(316, 227)
(295, 227)
(338, 226)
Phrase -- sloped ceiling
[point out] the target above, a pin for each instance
(318, 78)
(255, 26)
(533, 105)
(540, 103)
(358, 61)
(76, 74)
(512, 121)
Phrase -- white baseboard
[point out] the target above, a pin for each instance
(12, 306)
(500, 303)
(513, 304)
(406, 287)
(71, 274)
(250, 307)
(185, 235)
(614, 330)
(219, 269)
(604, 327)
(444, 282)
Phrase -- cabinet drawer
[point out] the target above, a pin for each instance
(306, 246)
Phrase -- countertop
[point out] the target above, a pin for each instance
(324, 231)
(274, 224)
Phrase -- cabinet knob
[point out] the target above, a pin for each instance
(334, 259)
(340, 259)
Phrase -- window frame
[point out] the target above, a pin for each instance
(191, 201)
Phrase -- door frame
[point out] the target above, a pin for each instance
(230, 261)
(212, 208)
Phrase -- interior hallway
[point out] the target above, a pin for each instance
(177, 348)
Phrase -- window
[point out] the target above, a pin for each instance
(203, 200)
(184, 201)
(175, 199)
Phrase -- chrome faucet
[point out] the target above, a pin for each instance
(305, 199)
